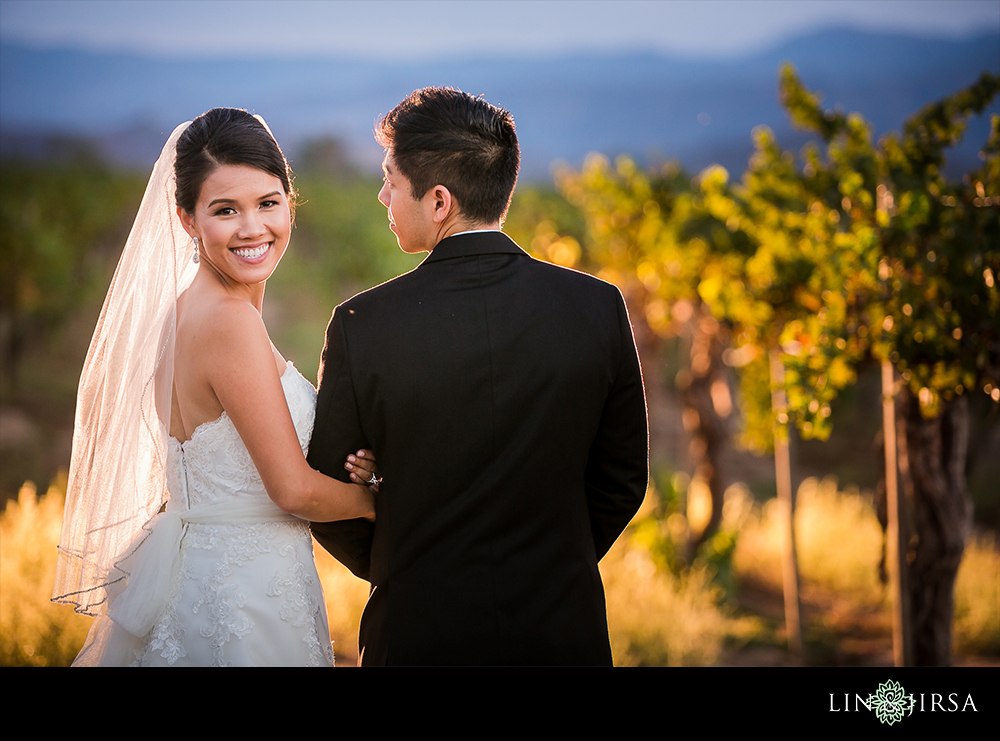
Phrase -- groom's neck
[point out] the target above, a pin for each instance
(463, 226)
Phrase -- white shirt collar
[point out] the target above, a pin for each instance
(474, 231)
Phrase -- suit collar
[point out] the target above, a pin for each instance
(471, 244)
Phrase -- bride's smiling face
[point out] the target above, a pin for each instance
(243, 222)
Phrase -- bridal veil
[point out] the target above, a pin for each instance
(117, 476)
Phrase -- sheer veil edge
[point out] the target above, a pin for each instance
(117, 475)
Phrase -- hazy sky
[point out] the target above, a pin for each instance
(393, 29)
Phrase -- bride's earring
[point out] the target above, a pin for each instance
(195, 258)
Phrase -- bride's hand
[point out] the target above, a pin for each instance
(363, 469)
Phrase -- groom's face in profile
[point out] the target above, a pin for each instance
(409, 218)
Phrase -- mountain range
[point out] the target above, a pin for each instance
(651, 106)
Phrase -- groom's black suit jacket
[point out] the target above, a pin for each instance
(503, 400)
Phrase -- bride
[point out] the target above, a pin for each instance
(185, 530)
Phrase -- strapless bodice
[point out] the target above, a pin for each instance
(215, 464)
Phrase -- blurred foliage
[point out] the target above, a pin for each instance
(851, 250)
(325, 158)
(60, 225)
(548, 226)
(924, 293)
(664, 529)
(342, 243)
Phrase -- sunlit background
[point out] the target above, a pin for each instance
(89, 91)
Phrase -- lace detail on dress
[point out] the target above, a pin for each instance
(240, 543)
(167, 637)
(300, 607)
(216, 454)
(224, 602)
(246, 594)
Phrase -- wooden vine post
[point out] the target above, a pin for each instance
(783, 478)
(896, 531)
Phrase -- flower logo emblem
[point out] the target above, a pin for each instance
(890, 702)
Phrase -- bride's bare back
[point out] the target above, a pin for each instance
(194, 400)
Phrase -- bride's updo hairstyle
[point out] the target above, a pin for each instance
(226, 136)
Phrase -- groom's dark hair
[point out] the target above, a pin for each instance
(442, 136)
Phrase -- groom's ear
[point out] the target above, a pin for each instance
(442, 203)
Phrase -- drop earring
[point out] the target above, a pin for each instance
(195, 258)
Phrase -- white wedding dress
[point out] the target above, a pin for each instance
(244, 591)
(219, 575)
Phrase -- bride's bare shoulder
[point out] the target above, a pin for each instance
(221, 329)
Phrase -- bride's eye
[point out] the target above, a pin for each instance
(225, 211)
(268, 204)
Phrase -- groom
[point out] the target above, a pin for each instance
(503, 400)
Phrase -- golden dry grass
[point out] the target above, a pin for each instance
(838, 542)
(36, 632)
(658, 619)
(839, 545)
(655, 618)
(976, 630)
(33, 630)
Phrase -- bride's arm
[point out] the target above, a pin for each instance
(239, 364)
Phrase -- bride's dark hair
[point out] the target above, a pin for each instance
(226, 136)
